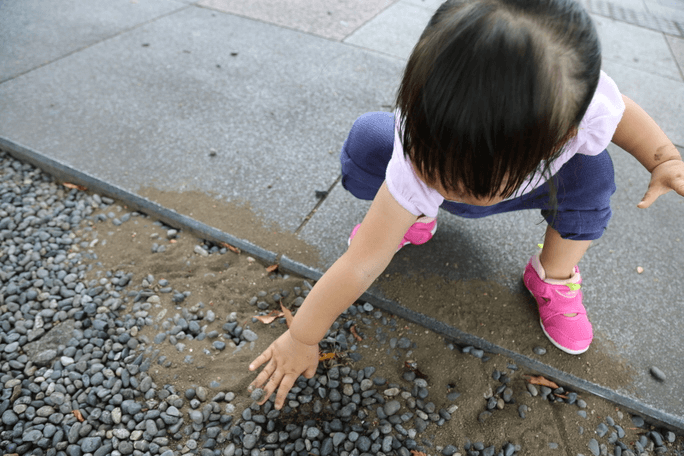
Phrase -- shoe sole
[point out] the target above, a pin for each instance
(556, 344)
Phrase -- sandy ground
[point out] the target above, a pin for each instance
(226, 283)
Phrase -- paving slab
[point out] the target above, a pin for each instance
(35, 32)
(333, 19)
(672, 10)
(429, 4)
(636, 47)
(395, 31)
(662, 98)
(634, 12)
(148, 107)
(635, 5)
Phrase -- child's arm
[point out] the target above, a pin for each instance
(638, 134)
(296, 351)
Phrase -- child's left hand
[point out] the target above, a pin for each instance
(666, 176)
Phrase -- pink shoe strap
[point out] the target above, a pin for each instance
(420, 232)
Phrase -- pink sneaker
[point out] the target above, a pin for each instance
(555, 298)
(419, 233)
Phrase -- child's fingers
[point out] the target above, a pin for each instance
(678, 185)
(286, 385)
(651, 195)
(261, 359)
(264, 375)
(311, 371)
(271, 384)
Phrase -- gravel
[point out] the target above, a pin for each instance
(74, 366)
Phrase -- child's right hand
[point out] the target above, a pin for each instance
(289, 358)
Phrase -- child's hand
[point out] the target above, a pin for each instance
(666, 176)
(289, 358)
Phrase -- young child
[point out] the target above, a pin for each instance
(502, 107)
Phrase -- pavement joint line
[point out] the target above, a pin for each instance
(318, 204)
(378, 14)
(65, 173)
(680, 66)
(261, 21)
(87, 46)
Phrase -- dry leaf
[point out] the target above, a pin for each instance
(287, 314)
(270, 317)
(355, 334)
(541, 381)
(417, 453)
(230, 247)
(77, 414)
(326, 356)
(272, 268)
(76, 186)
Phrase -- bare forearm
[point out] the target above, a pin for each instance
(341, 285)
(639, 135)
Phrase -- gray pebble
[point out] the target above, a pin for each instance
(594, 447)
(257, 395)
(312, 433)
(539, 351)
(449, 450)
(658, 374)
(453, 396)
(249, 335)
(90, 444)
(638, 421)
(249, 441)
(404, 343)
(601, 430)
(196, 416)
(391, 407)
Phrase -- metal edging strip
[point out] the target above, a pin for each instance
(652, 415)
(65, 173)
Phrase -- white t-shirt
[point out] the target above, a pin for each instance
(595, 132)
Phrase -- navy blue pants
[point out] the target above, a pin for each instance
(584, 184)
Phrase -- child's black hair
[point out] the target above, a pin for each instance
(494, 89)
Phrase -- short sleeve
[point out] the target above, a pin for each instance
(405, 186)
(598, 126)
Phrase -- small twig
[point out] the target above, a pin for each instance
(355, 334)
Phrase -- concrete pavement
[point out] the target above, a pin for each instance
(251, 101)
